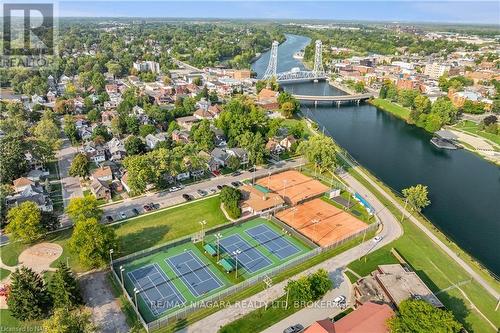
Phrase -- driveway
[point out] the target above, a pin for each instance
(322, 309)
(106, 312)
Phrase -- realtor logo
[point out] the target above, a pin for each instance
(28, 29)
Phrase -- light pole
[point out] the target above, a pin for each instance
(218, 236)
(202, 223)
(111, 257)
(253, 177)
(235, 253)
(404, 209)
(121, 275)
(136, 291)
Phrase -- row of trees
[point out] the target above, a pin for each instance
(430, 116)
(308, 288)
(230, 197)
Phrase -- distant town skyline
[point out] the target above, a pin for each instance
(465, 12)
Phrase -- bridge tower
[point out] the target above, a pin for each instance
(273, 62)
(318, 59)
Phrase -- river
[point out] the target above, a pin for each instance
(463, 188)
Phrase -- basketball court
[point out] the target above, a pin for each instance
(321, 222)
(293, 186)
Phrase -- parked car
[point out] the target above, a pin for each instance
(135, 211)
(377, 239)
(219, 187)
(174, 189)
(147, 207)
(236, 184)
(339, 300)
(202, 192)
(236, 173)
(213, 190)
(109, 218)
(297, 328)
(187, 197)
(123, 215)
(155, 205)
(252, 169)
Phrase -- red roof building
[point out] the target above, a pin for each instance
(368, 318)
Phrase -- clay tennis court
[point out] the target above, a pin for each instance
(321, 222)
(293, 186)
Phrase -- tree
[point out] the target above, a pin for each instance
(64, 321)
(70, 129)
(417, 196)
(320, 283)
(134, 145)
(101, 130)
(64, 288)
(230, 198)
(91, 242)
(203, 135)
(299, 290)
(287, 109)
(140, 172)
(47, 131)
(233, 162)
(319, 150)
(13, 161)
(80, 166)
(28, 297)
(81, 209)
(418, 316)
(359, 87)
(94, 115)
(146, 129)
(25, 222)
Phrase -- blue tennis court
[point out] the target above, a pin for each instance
(250, 258)
(156, 290)
(196, 275)
(271, 240)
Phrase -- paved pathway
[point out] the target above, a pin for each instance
(321, 309)
(391, 231)
(106, 312)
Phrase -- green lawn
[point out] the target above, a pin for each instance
(11, 324)
(473, 128)
(159, 227)
(395, 109)
(436, 269)
(4, 273)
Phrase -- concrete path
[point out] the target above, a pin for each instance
(321, 309)
(106, 312)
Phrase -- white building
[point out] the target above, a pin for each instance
(147, 66)
(435, 70)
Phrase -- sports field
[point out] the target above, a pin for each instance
(294, 186)
(180, 275)
(321, 222)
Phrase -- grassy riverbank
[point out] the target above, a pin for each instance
(473, 128)
(392, 108)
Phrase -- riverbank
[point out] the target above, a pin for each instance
(393, 108)
(466, 297)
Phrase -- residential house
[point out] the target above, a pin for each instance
(181, 136)
(36, 175)
(96, 153)
(100, 189)
(33, 161)
(21, 183)
(288, 142)
(108, 116)
(268, 99)
(103, 174)
(153, 139)
(369, 317)
(274, 147)
(33, 193)
(240, 153)
(116, 149)
(187, 122)
(219, 157)
(211, 164)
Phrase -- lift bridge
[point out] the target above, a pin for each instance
(295, 74)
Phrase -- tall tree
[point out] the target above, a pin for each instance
(28, 297)
(81, 209)
(64, 288)
(319, 150)
(80, 166)
(91, 242)
(417, 196)
(46, 130)
(13, 161)
(418, 316)
(64, 321)
(25, 222)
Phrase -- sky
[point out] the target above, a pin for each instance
(486, 12)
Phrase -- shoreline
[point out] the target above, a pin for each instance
(451, 243)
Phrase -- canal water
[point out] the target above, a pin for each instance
(464, 189)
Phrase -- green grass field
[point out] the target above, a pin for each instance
(473, 128)
(395, 109)
(227, 279)
(4, 273)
